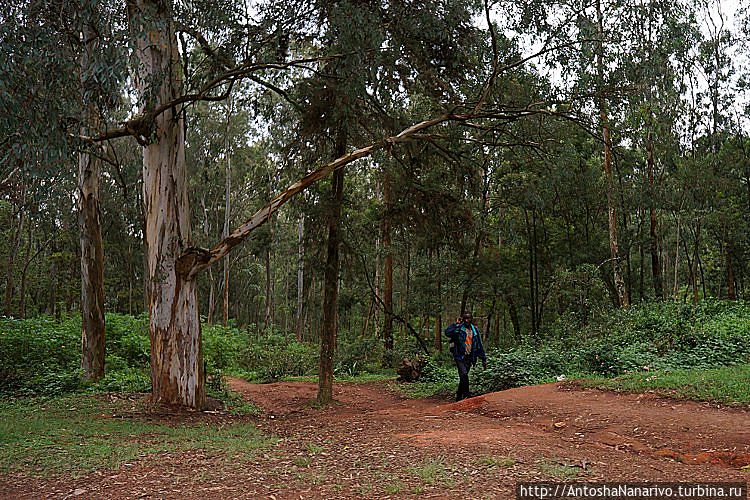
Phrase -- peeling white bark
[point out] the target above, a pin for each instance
(176, 357)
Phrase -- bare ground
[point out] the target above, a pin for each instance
(375, 443)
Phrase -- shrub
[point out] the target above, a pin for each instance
(273, 355)
(223, 346)
(39, 356)
(127, 379)
(522, 366)
(356, 355)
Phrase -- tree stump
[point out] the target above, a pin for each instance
(410, 369)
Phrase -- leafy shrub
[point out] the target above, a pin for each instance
(127, 379)
(434, 371)
(273, 355)
(127, 338)
(39, 356)
(357, 355)
(223, 346)
(522, 366)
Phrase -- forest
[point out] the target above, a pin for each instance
(226, 221)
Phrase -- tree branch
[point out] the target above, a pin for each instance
(195, 260)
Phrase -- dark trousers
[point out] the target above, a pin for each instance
(463, 380)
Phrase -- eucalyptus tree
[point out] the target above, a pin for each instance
(395, 65)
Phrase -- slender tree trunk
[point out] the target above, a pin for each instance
(439, 316)
(513, 311)
(24, 273)
(211, 296)
(92, 253)
(387, 264)
(52, 295)
(641, 258)
(439, 332)
(176, 352)
(300, 321)
(211, 281)
(227, 212)
(367, 319)
(731, 292)
(532, 287)
(619, 282)
(330, 294)
(10, 283)
(267, 315)
(677, 259)
(653, 244)
(696, 259)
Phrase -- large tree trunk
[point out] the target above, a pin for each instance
(92, 253)
(619, 282)
(330, 292)
(387, 265)
(176, 358)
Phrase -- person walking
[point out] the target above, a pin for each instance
(466, 347)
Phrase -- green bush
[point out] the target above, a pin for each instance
(522, 366)
(39, 356)
(127, 379)
(356, 355)
(223, 346)
(127, 338)
(272, 355)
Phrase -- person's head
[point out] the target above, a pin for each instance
(467, 318)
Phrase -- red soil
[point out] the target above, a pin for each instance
(375, 443)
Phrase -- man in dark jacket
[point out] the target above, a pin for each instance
(466, 347)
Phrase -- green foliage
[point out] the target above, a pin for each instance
(39, 356)
(271, 355)
(127, 338)
(728, 384)
(438, 379)
(127, 379)
(657, 336)
(515, 368)
(357, 355)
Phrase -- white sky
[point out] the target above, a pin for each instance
(739, 55)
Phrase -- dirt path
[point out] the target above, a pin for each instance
(374, 443)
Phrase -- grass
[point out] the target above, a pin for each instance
(559, 471)
(419, 390)
(78, 434)
(361, 378)
(394, 487)
(729, 384)
(314, 449)
(492, 461)
(430, 471)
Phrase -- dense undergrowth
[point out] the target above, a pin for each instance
(647, 338)
(41, 356)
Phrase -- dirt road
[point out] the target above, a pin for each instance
(375, 443)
